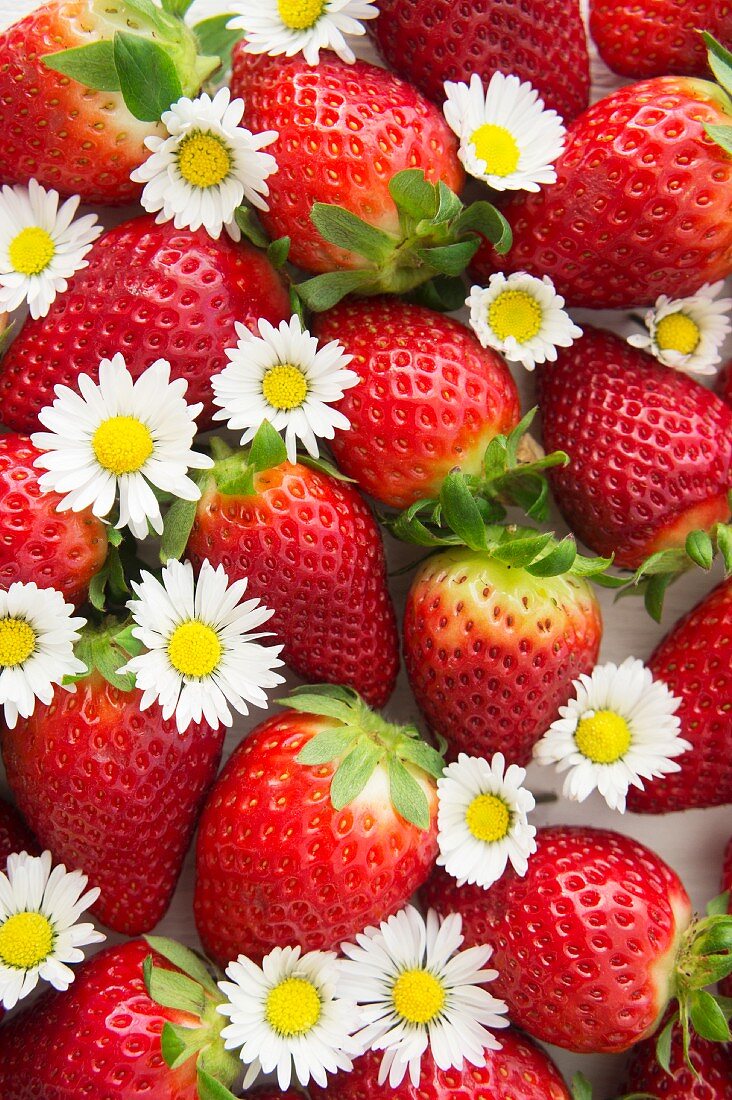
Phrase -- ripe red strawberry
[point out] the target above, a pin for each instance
(695, 661)
(724, 383)
(650, 448)
(711, 1078)
(37, 543)
(641, 203)
(430, 398)
(284, 857)
(151, 292)
(542, 41)
(649, 38)
(14, 834)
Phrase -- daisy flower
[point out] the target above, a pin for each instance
(289, 27)
(39, 934)
(288, 1016)
(203, 646)
(418, 990)
(507, 138)
(284, 377)
(207, 165)
(41, 246)
(688, 333)
(481, 819)
(521, 316)
(120, 438)
(620, 728)
(37, 638)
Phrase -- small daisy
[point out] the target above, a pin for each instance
(688, 333)
(523, 317)
(203, 645)
(120, 437)
(41, 246)
(288, 1016)
(39, 934)
(207, 166)
(289, 27)
(37, 638)
(481, 820)
(620, 728)
(507, 139)
(418, 990)
(284, 377)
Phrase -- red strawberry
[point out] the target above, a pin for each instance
(518, 1070)
(151, 292)
(37, 543)
(14, 834)
(644, 38)
(285, 858)
(641, 203)
(711, 1078)
(542, 41)
(650, 448)
(725, 987)
(724, 383)
(430, 398)
(695, 661)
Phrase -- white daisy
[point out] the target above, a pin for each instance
(418, 990)
(620, 728)
(688, 333)
(521, 316)
(120, 438)
(37, 638)
(481, 819)
(41, 246)
(289, 1016)
(289, 27)
(507, 138)
(39, 934)
(207, 165)
(203, 646)
(284, 377)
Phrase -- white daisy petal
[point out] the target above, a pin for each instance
(290, 27)
(687, 334)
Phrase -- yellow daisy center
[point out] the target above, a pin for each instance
(299, 15)
(194, 649)
(122, 444)
(515, 313)
(293, 1007)
(418, 996)
(26, 939)
(17, 642)
(284, 386)
(603, 737)
(496, 147)
(488, 818)
(678, 332)
(203, 159)
(31, 251)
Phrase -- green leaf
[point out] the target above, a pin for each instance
(720, 61)
(154, 15)
(521, 552)
(98, 587)
(108, 661)
(581, 1087)
(250, 226)
(663, 1044)
(558, 561)
(719, 906)
(312, 702)
(700, 549)
(443, 293)
(324, 291)
(173, 990)
(354, 773)
(483, 218)
(595, 568)
(92, 65)
(407, 797)
(655, 594)
(413, 194)
(177, 529)
(448, 204)
(179, 7)
(723, 535)
(707, 1017)
(267, 449)
(185, 959)
(721, 135)
(147, 76)
(215, 38)
(278, 251)
(179, 1043)
(325, 746)
(345, 230)
(211, 1089)
(323, 467)
(461, 511)
(423, 755)
(6, 337)
(449, 259)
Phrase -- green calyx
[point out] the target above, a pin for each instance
(582, 1090)
(438, 237)
(361, 740)
(720, 62)
(105, 648)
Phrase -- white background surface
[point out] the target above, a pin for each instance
(692, 842)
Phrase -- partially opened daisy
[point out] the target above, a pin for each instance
(507, 138)
(620, 729)
(289, 27)
(417, 990)
(40, 906)
(523, 317)
(288, 1016)
(284, 377)
(207, 165)
(203, 640)
(41, 246)
(688, 333)
(38, 632)
(481, 819)
(119, 440)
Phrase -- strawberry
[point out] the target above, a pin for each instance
(324, 820)
(724, 383)
(61, 550)
(14, 834)
(695, 661)
(710, 1078)
(542, 41)
(152, 292)
(725, 987)
(593, 943)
